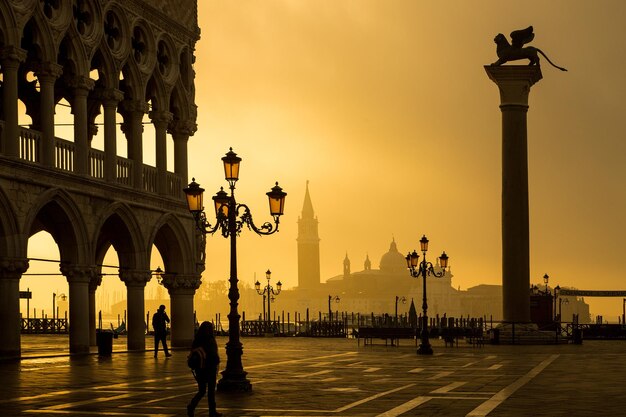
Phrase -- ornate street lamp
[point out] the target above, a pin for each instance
(424, 269)
(269, 290)
(231, 217)
(546, 278)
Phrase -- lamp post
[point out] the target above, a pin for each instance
(230, 218)
(557, 289)
(403, 299)
(545, 281)
(425, 269)
(269, 290)
(331, 298)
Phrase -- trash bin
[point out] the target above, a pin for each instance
(104, 340)
(494, 336)
(577, 335)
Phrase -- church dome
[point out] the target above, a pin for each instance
(393, 261)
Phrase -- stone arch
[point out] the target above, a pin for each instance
(56, 212)
(179, 102)
(9, 229)
(8, 26)
(156, 94)
(132, 85)
(108, 71)
(72, 54)
(169, 235)
(118, 227)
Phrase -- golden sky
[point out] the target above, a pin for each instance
(384, 106)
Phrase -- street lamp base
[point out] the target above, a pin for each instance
(424, 349)
(234, 383)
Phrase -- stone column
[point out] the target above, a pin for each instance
(514, 83)
(11, 57)
(11, 271)
(110, 99)
(135, 281)
(47, 74)
(95, 282)
(180, 131)
(133, 111)
(78, 278)
(181, 289)
(81, 87)
(161, 119)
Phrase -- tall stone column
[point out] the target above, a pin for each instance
(95, 282)
(135, 281)
(47, 74)
(514, 83)
(133, 111)
(11, 271)
(110, 100)
(11, 57)
(78, 278)
(182, 289)
(81, 86)
(161, 119)
(180, 131)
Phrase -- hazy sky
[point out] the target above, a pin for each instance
(385, 107)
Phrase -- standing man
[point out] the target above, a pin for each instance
(160, 332)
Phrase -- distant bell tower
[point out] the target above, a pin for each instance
(308, 245)
(346, 267)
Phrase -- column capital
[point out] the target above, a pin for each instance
(183, 128)
(78, 273)
(95, 282)
(80, 84)
(110, 96)
(160, 118)
(13, 267)
(134, 106)
(180, 284)
(514, 82)
(12, 55)
(135, 277)
(48, 71)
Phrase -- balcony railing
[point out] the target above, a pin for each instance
(30, 150)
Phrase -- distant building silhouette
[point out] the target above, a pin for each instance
(308, 246)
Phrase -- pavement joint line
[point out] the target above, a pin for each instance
(325, 371)
(90, 401)
(36, 397)
(441, 375)
(101, 413)
(407, 406)
(489, 405)
(372, 397)
(265, 365)
(447, 388)
(371, 370)
(469, 364)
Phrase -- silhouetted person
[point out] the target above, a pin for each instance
(160, 331)
(205, 372)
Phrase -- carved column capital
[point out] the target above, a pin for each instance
(95, 282)
(135, 277)
(81, 85)
(48, 71)
(184, 128)
(161, 118)
(13, 267)
(110, 96)
(78, 273)
(11, 56)
(134, 106)
(177, 283)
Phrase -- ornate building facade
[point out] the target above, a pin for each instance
(130, 58)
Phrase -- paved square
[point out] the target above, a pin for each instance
(332, 377)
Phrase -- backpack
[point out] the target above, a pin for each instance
(196, 358)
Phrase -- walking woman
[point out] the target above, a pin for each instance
(205, 371)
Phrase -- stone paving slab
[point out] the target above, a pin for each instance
(303, 377)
